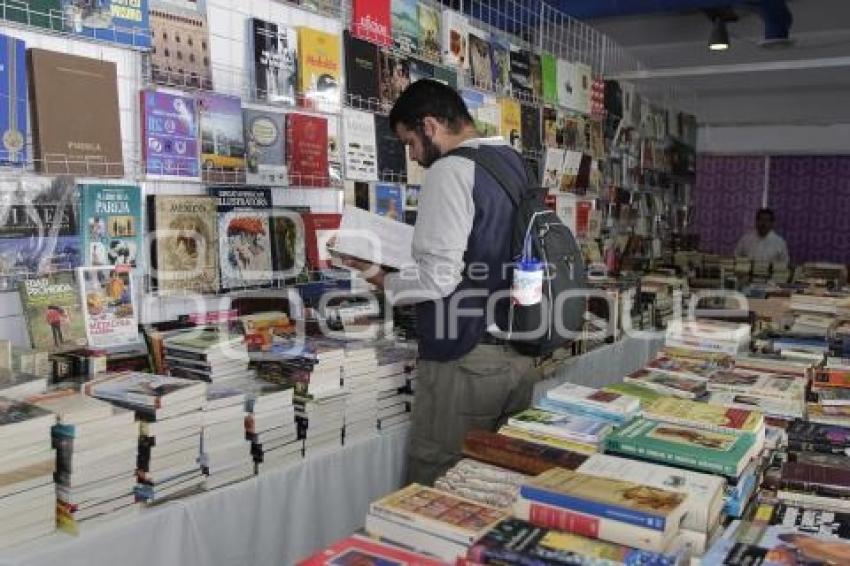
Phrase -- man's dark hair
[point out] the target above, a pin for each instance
(430, 98)
(767, 212)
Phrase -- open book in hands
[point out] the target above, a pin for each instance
(369, 237)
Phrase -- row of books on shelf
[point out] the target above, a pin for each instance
(78, 453)
(639, 472)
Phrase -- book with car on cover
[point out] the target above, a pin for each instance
(111, 228)
(109, 306)
(222, 137)
(51, 308)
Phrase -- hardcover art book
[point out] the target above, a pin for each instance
(222, 137)
(455, 32)
(39, 229)
(530, 129)
(185, 251)
(370, 21)
(567, 91)
(361, 154)
(319, 69)
(429, 32)
(14, 92)
(391, 153)
(583, 83)
(275, 62)
(480, 60)
(405, 25)
(511, 126)
(51, 307)
(169, 135)
(265, 151)
(307, 159)
(520, 74)
(393, 77)
(245, 246)
(549, 71)
(500, 61)
(65, 85)
(169, 20)
(361, 73)
(111, 315)
(111, 229)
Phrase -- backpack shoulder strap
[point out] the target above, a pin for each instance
(498, 168)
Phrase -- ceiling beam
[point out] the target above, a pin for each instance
(736, 68)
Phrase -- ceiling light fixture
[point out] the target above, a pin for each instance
(719, 40)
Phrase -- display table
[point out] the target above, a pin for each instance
(273, 519)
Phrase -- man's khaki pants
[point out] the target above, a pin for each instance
(478, 391)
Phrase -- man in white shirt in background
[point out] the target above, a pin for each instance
(763, 244)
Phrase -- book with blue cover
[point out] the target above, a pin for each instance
(111, 227)
(13, 93)
(389, 201)
(121, 21)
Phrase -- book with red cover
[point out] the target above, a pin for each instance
(361, 550)
(307, 142)
(517, 454)
(318, 229)
(370, 20)
(583, 209)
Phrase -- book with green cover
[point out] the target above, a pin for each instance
(723, 453)
(54, 317)
(645, 394)
(550, 77)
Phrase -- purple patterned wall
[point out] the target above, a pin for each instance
(727, 195)
(811, 198)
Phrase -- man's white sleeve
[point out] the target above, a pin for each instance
(444, 222)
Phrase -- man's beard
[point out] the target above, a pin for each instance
(430, 151)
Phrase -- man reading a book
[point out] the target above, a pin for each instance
(467, 378)
(763, 244)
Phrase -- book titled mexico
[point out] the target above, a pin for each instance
(13, 110)
(723, 453)
(169, 135)
(184, 254)
(111, 228)
(109, 307)
(51, 307)
(514, 541)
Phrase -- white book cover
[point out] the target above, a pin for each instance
(374, 238)
(607, 401)
(360, 148)
(553, 164)
(705, 491)
(567, 91)
(582, 85)
(455, 32)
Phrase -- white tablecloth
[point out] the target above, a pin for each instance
(273, 519)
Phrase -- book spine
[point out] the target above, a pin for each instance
(589, 507)
(657, 455)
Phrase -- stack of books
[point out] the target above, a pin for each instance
(225, 453)
(432, 521)
(831, 391)
(582, 400)
(360, 378)
(396, 381)
(623, 512)
(578, 433)
(169, 409)
(815, 315)
(708, 335)
(27, 462)
(206, 354)
(481, 482)
(270, 422)
(810, 349)
(780, 396)
(96, 448)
